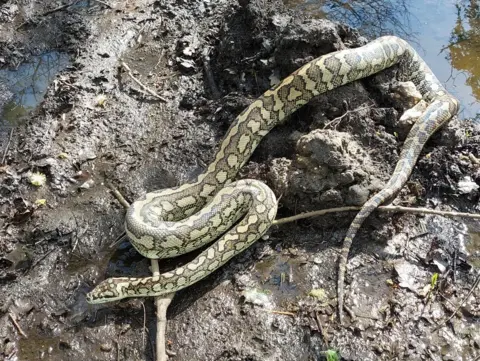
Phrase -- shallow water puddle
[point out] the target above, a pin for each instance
(28, 83)
(446, 33)
(282, 276)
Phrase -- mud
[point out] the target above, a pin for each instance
(207, 60)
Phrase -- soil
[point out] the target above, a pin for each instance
(207, 60)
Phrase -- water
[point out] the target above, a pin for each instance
(28, 83)
(446, 33)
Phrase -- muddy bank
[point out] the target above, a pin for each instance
(207, 60)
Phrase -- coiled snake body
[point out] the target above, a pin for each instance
(170, 222)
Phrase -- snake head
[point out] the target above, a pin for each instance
(107, 291)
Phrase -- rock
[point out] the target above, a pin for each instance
(332, 197)
(327, 147)
(106, 347)
(357, 195)
(412, 277)
(406, 94)
(328, 163)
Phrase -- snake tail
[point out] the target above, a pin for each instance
(434, 117)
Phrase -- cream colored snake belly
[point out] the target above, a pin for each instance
(171, 222)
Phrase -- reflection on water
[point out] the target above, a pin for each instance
(282, 276)
(28, 83)
(446, 33)
(465, 44)
(374, 18)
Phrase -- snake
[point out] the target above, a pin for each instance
(225, 216)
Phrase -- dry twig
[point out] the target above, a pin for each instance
(8, 146)
(104, 3)
(475, 284)
(285, 313)
(337, 120)
(162, 303)
(381, 208)
(17, 326)
(320, 328)
(144, 87)
(62, 7)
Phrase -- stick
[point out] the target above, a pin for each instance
(475, 284)
(381, 208)
(14, 321)
(162, 303)
(118, 195)
(320, 329)
(59, 8)
(8, 146)
(285, 313)
(339, 119)
(104, 3)
(144, 87)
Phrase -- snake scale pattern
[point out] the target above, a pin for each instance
(171, 222)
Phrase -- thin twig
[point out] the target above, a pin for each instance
(162, 302)
(432, 356)
(458, 41)
(475, 284)
(339, 119)
(8, 146)
(42, 258)
(17, 326)
(144, 329)
(118, 195)
(118, 350)
(144, 87)
(104, 3)
(381, 208)
(285, 313)
(62, 7)
(76, 233)
(320, 328)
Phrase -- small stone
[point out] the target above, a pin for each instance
(331, 196)
(357, 195)
(407, 93)
(105, 347)
(88, 184)
(346, 177)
